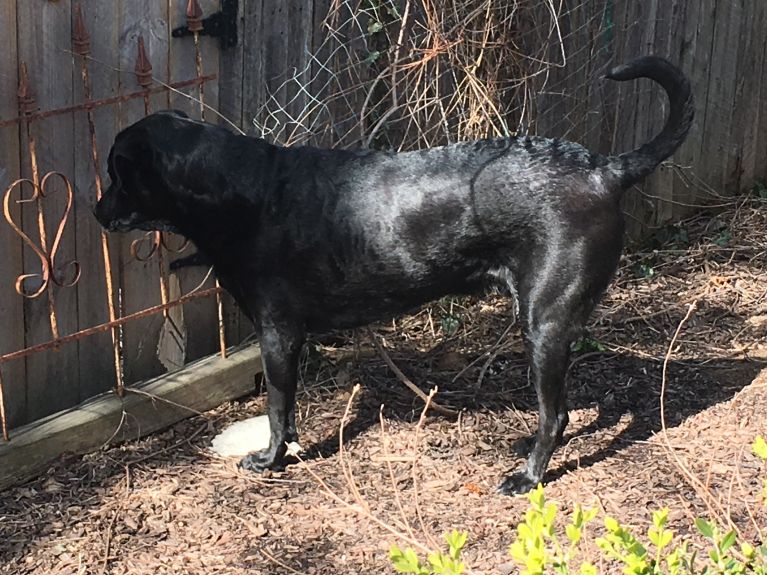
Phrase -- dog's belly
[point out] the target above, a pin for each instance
(381, 298)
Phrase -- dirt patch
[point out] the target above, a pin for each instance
(164, 504)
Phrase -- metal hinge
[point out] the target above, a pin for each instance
(221, 25)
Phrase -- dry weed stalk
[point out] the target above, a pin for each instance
(406, 74)
(405, 379)
(701, 488)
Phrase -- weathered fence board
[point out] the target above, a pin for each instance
(715, 112)
(11, 311)
(141, 278)
(253, 57)
(720, 44)
(752, 93)
(200, 316)
(53, 378)
(95, 353)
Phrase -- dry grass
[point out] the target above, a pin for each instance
(417, 73)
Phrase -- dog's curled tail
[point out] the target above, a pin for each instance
(632, 167)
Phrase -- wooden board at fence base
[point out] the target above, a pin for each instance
(153, 405)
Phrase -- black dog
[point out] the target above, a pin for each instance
(310, 240)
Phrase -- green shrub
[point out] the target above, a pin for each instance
(537, 547)
(438, 563)
(539, 550)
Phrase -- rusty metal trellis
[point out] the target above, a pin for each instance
(47, 256)
(82, 47)
(39, 192)
(157, 241)
(67, 274)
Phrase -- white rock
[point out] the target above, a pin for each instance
(243, 437)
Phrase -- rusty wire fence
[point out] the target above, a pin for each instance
(408, 74)
(38, 209)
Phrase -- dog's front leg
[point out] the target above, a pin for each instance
(281, 341)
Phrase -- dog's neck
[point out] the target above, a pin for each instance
(214, 197)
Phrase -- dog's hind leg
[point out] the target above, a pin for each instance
(281, 341)
(553, 313)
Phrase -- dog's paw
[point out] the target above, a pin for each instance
(260, 461)
(516, 484)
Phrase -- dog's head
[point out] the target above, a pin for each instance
(139, 197)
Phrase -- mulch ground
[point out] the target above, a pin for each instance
(165, 504)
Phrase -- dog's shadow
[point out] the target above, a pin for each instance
(624, 390)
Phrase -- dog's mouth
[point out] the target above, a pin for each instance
(158, 226)
(133, 222)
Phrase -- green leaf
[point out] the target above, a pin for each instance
(759, 447)
(586, 344)
(588, 569)
(660, 517)
(573, 533)
(450, 323)
(723, 239)
(374, 26)
(372, 57)
(728, 541)
(456, 541)
(589, 515)
(517, 552)
(537, 497)
(405, 561)
(437, 561)
(577, 519)
(653, 535)
(549, 514)
(645, 271)
(443, 565)
(706, 528)
(612, 525)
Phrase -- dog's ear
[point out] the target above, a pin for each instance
(120, 167)
(125, 160)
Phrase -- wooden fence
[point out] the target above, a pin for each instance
(721, 44)
(46, 39)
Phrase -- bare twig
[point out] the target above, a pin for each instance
(397, 498)
(714, 507)
(359, 505)
(405, 380)
(427, 534)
